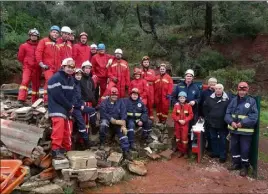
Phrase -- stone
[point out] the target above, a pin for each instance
(155, 133)
(107, 149)
(5, 153)
(47, 189)
(82, 175)
(101, 154)
(134, 154)
(137, 167)
(166, 154)
(29, 185)
(115, 158)
(108, 176)
(60, 164)
(65, 184)
(157, 145)
(82, 159)
(153, 156)
(41, 110)
(103, 163)
(87, 184)
(37, 103)
(23, 110)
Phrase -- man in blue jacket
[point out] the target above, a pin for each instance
(113, 115)
(192, 91)
(60, 107)
(137, 115)
(79, 108)
(241, 117)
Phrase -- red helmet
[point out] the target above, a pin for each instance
(135, 90)
(114, 91)
(83, 34)
(137, 71)
(243, 86)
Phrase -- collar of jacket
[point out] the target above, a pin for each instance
(189, 84)
(62, 72)
(224, 96)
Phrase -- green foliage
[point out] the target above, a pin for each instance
(8, 68)
(230, 77)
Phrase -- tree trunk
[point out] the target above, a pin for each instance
(208, 22)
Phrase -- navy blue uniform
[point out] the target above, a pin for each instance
(115, 110)
(137, 111)
(243, 110)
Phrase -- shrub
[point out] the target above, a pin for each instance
(230, 77)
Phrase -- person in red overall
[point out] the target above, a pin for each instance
(48, 56)
(31, 71)
(182, 114)
(163, 89)
(81, 51)
(99, 63)
(141, 84)
(64, 43)
(118, 74)
(93, 50)
(149, 76)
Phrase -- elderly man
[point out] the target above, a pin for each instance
(204, 95)
(113, 114)
(214, 110)
(241, 117)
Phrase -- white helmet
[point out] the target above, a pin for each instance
(118, 51)
(78, 70)
(189, 71)
(212, 79)
(93, 46)
(65, 62)
(66, 29)
(86, 63)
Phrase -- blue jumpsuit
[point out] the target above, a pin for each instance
(115, 110)
(137, 111)
(243, 110)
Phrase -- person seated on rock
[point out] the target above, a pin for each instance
(137, 115)
(113, 115)
(79, 108)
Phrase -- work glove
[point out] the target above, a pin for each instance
(120, 122)
(124, 130)
(43, 66)
(113, 121)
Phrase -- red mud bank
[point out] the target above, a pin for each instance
(180, 176)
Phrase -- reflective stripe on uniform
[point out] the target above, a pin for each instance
(82, 131)
(241, 129)
(236, 156)
(186, 111)
(165, 80)
(124, 137)
(56, 114)
(129, 114)
(184, 142)
(157, 80)
(164, 115)
(239, 116)
(244, 160)
(130, 130)
(138, 114)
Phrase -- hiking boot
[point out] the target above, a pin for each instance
(180, 154)
(89, 144)
(133, 147)
(58, 155)
(222, 160)
(101, 147)
(127, 156)
(244, 172)
(234, 167)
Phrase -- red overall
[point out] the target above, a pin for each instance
(81, 53)
(143, 88)
(149, 76)
(65, 49)
(31, 71)
(182, 112)
(61, 133)
(48, 52)
(119, 69)
(99, 62)
(163, 87)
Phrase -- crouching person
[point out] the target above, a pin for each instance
(214, 109)
(137, 115)
(182, 114)
(113, 115)
(241, 117)
(79, 108)
(60, 107)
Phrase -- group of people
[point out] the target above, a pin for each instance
(81, 80)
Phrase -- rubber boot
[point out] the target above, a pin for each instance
(127, 156)
(133, 147)
(234, 167)
(244, 172)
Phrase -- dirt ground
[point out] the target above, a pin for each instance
(181, 176)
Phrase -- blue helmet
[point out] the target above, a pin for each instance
(101, 46)
(57, 28)
(182, 93)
